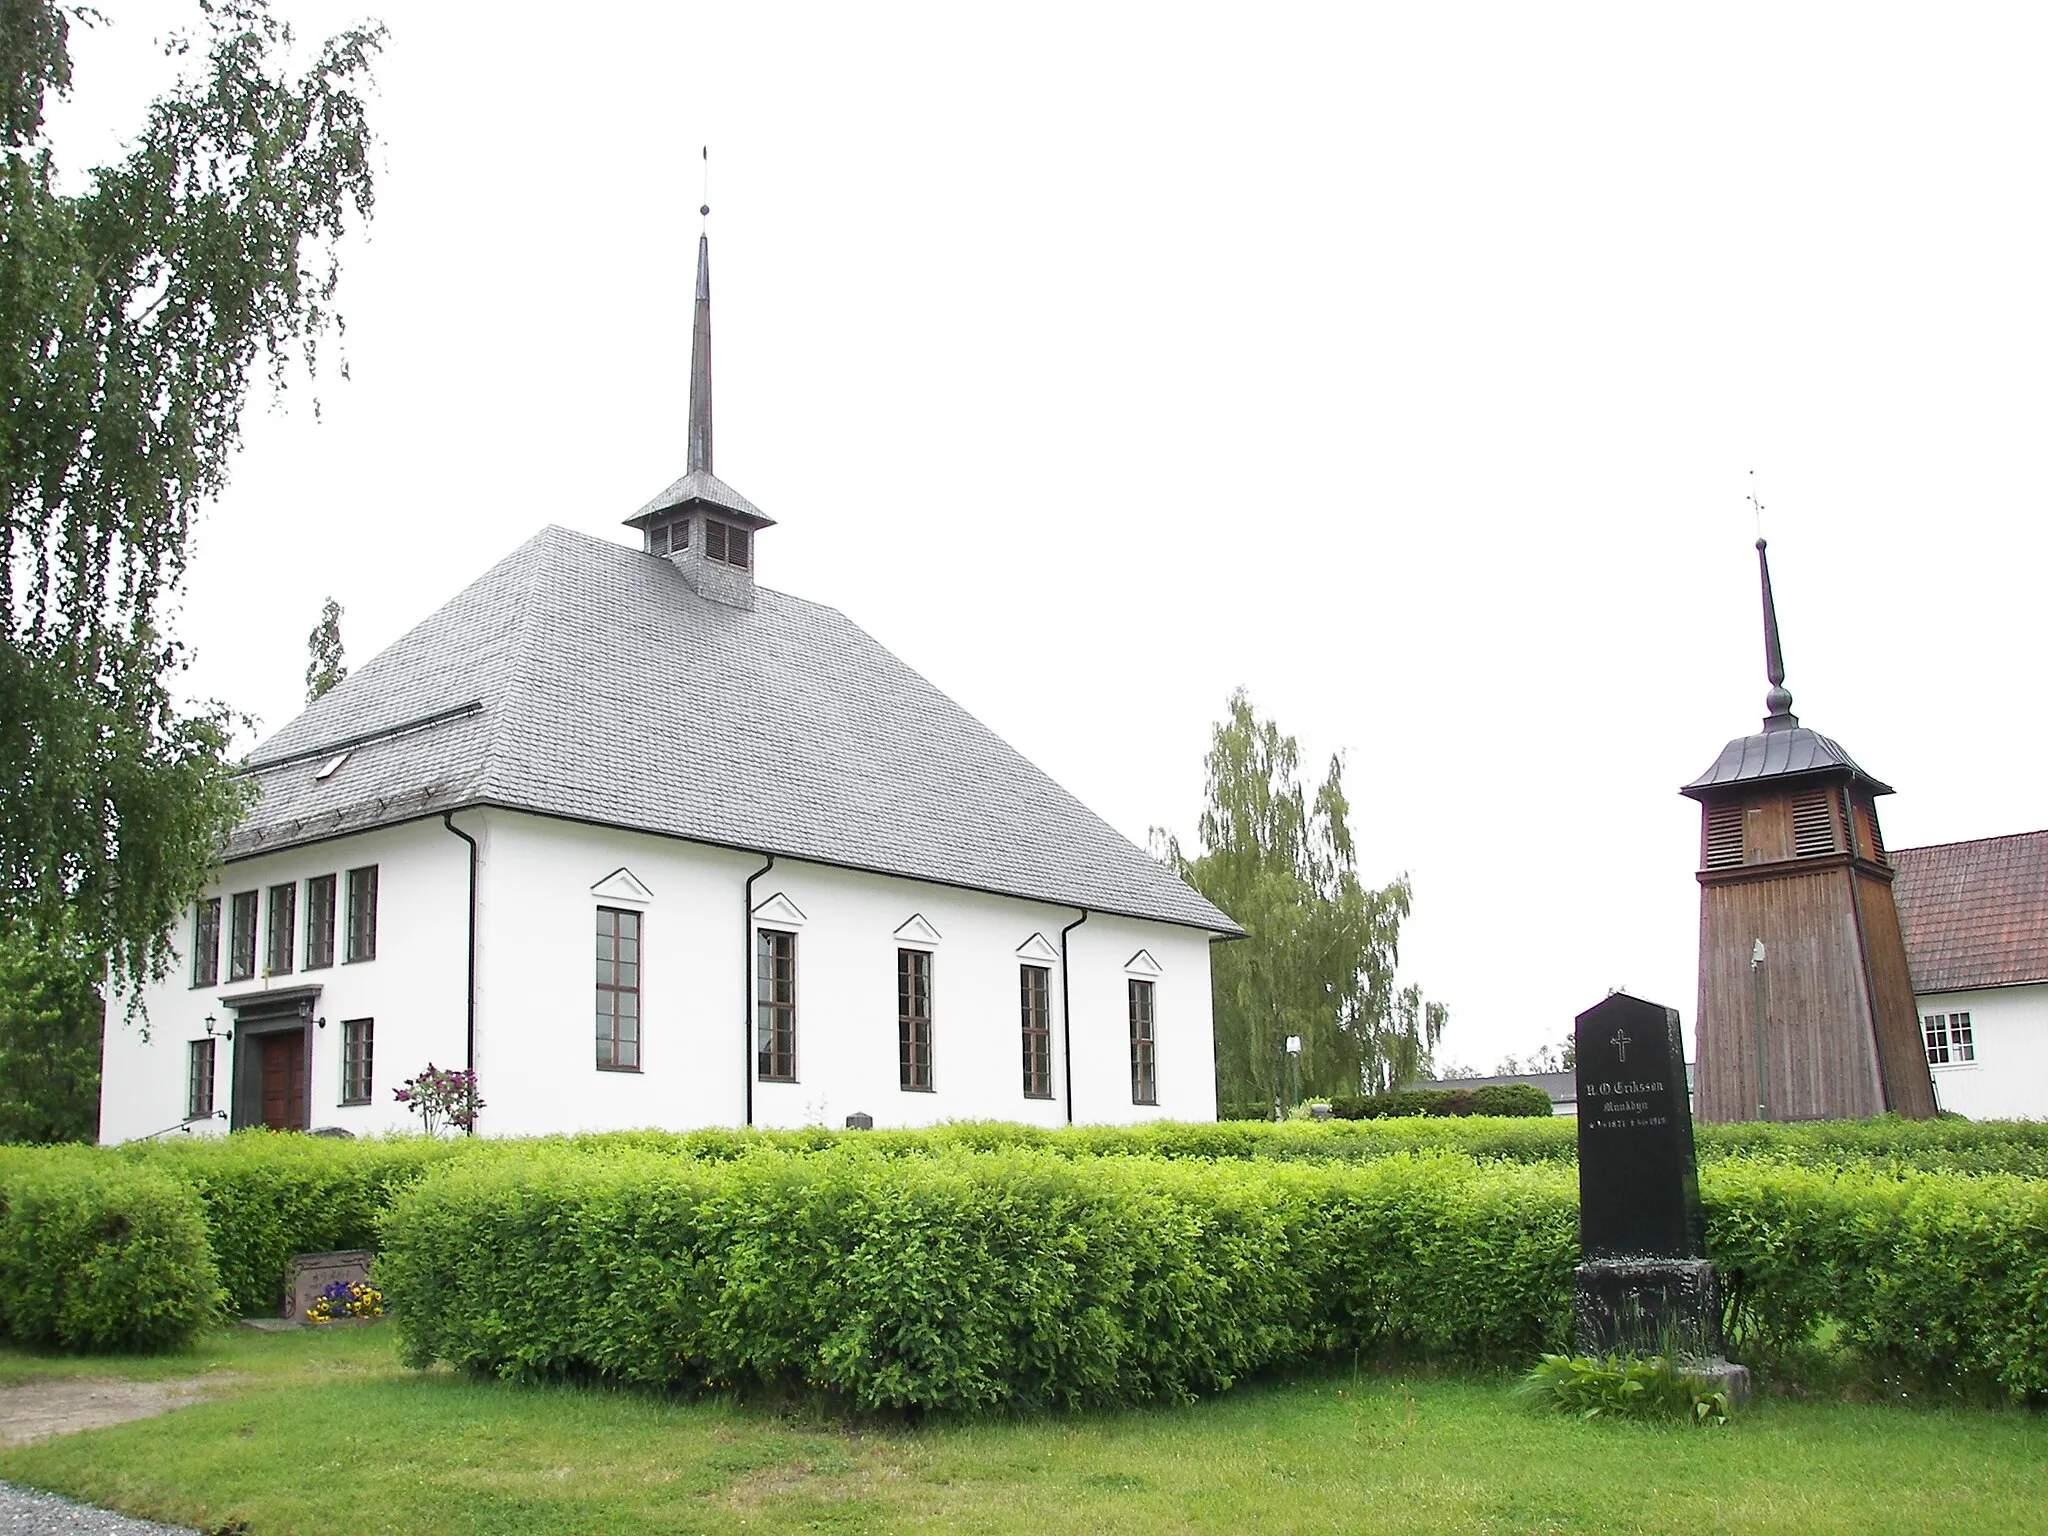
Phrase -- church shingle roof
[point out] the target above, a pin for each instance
(581, 679)
(1975, 914)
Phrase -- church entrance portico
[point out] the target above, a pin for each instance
(273, 1060)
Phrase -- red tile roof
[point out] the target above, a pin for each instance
(1975, 913)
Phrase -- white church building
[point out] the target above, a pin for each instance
(643, 843)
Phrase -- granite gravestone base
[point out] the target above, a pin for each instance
(1643, 1283)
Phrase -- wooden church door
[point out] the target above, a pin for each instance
(284, 1081)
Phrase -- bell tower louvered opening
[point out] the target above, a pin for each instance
(1813, 825)
(1724, 836)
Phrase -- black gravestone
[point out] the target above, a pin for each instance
(1643, 1281)
(1639, 1189)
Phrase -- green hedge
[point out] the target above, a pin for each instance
(1517, 1139)
(1943, 1276)
(266, 1198)
(965, 1281)
(1499, 1099)
(99, 1255)
(968, 1281)
(1934, 1146)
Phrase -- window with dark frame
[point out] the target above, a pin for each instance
(277, 945)
(206, 943)
(727, 543)
(1144, 1076)
(319, 922)
(618, 990)
(358, 1053)
(362, 913)
(914, 1020)
(775, 1006)
(242, 936)
(199, 1081)
(1034, 990)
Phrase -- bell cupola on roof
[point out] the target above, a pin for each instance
(700, 523)
(1806, 1006)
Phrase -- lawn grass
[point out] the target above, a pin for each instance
(324, 1432)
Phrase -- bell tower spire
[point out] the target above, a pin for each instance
(700, 360)
(700, 524)
(1778, 701)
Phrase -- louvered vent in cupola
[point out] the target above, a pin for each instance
(1724, 836)
(1876, 837)
(1813, 829)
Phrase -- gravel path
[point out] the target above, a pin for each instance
(25, 1513)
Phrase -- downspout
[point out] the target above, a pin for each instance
(1066, 1028)
(747, 984)
(469, 1025)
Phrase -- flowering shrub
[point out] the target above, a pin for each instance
(346, 1298)
(441, 1094)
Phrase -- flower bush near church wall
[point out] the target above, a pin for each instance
(441, 1096)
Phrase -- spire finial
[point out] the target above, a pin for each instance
(1779, 699)
(700, 345)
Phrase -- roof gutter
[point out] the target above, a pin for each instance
(1066, 1027)
(747, 986)
(469, 1026)
(487, 803)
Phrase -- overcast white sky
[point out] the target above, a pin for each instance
(1403, 364)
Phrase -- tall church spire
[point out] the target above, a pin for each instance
(703, 526)
(1779, 699)
(700, 363)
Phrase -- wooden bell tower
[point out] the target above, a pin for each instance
(1806, 1006)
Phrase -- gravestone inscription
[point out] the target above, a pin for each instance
(1643, 1281)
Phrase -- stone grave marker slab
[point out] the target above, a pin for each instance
(1639, 1188)
(311, 1273)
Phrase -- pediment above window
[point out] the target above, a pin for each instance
(916, 930)
(1142, 964)
(1038, 950)
(622, 885)
(778, 911)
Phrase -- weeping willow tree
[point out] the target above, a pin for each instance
(138, 305)
(1318, 961)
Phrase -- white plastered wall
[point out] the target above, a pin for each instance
(413, 989)
(2009, 1078)
(536, 1054)
(540, 882)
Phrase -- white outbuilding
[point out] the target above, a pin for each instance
(1975, 915)
(643, 843)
